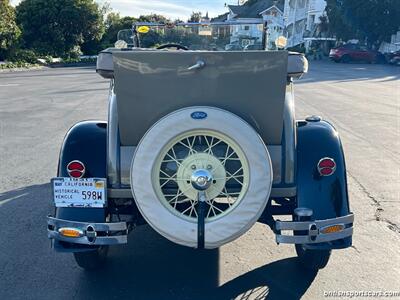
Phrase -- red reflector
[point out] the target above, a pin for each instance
(326, 166)
(76, 166)
(327, 163)
(75, 174)
(326, 171)
(76, 169)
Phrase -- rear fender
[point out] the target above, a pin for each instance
(87, 142)
(326, 196)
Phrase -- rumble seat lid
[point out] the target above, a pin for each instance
(152, 84)
(296, 67)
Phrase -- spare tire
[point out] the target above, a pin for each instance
(208, 140)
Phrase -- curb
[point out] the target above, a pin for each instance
(21, 69)
(63, 65)
(52, 66)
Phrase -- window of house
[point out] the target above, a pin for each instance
(246, 27)
(311, 21)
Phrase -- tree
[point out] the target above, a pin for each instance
(154, 18)
(112, 18)
(337, 24)
(92, 46)
(372, 21)
(59, 27)
(114, 23)
(9, 31)
(195, 17)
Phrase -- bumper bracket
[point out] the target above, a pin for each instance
(313, 232)
(98, 234)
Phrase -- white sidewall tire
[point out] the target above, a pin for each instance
(221, 230)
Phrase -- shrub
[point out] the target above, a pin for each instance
(18, 64)
(23, 55)
(79, 60)
(89, 59)
(73, 54)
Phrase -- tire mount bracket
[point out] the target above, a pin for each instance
(201, 213)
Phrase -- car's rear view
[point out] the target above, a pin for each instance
(335, 54)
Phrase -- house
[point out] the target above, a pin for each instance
(298, 20)
(267, 11)
(393, 46)
(301, 20)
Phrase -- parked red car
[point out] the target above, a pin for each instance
(354, 52)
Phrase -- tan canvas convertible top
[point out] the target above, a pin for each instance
(151, 84)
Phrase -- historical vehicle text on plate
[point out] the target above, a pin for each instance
(83, 192)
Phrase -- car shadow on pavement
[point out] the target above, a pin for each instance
(150, 267)
(282, 279)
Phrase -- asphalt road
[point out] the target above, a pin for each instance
(38, 107)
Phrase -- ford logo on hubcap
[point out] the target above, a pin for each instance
(199, 115)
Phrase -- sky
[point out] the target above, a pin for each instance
(170, 8)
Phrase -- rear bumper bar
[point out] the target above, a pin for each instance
(98, 234)
(312, 232)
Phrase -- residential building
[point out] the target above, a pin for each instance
(393, 46)
(298, 20)
(301, 18)
(263, 11)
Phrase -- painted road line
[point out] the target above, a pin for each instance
(9, 84)
(2, 202)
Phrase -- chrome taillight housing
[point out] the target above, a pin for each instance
(76, 169)
(326, 166)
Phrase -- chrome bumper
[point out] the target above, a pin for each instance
(312, 231)
(99, 234)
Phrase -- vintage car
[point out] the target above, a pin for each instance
(200, 143)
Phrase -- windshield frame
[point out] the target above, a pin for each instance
(136, 39)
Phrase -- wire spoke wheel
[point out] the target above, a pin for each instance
(201, 182)
(206, 150)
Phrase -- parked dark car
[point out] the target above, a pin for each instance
(393, 58)
(353, 52)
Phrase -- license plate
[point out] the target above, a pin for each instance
(83, 192)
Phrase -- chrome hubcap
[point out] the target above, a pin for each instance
(201, 172)
(201, 180)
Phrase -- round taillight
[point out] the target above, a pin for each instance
(76, 169)
(326, 166)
